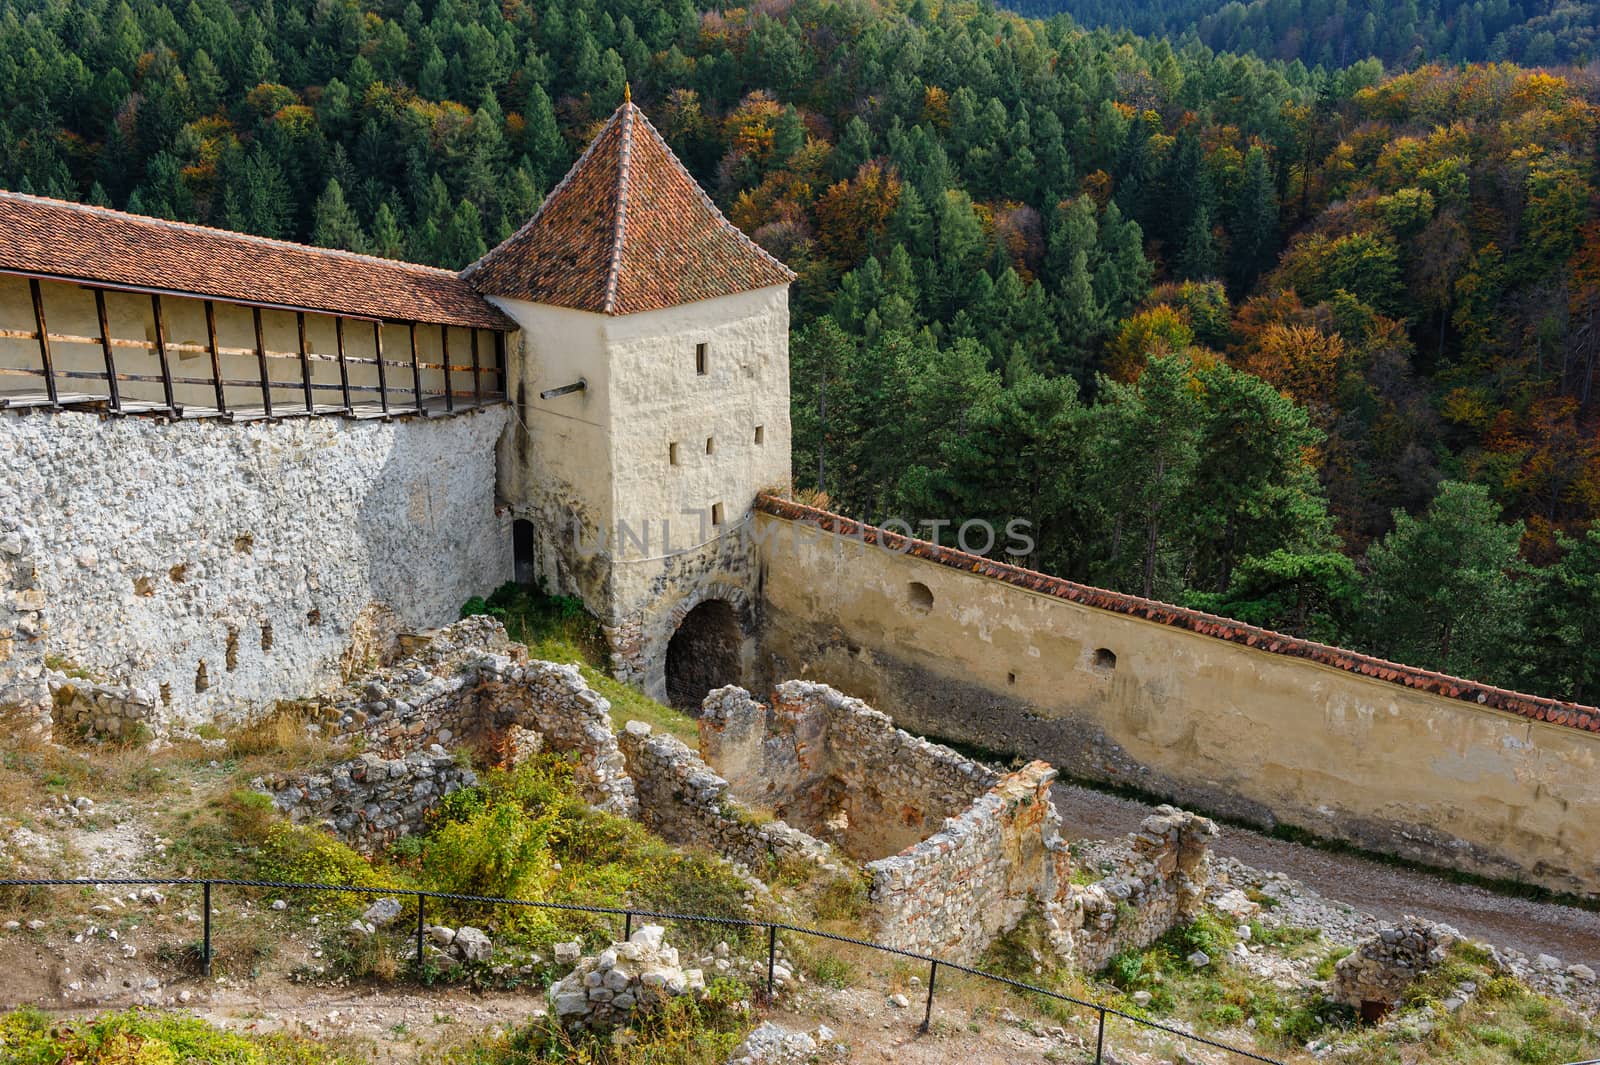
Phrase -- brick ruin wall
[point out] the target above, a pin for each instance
(163, 573)
(682, 800)
(836, 767)
(1122, 696)
(970, 851)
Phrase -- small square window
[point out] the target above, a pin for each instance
(761, 435)
(716, 513)
(700, 359)
(672, 453)
(711, 445)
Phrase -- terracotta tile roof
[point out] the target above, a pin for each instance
(93, 244)
(627, 230)
(1571, 715)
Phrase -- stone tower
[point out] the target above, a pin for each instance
(651, 385)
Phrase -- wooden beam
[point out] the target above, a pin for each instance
(444, 348)
(216, 357)
(383, 381)
(477, 374)
(305, 363)
(416, 369)
(344, 367)
(161, 353)
(44, 342)
(261, 359)
(105, 345)
(500, 364)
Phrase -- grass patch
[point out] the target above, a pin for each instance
(31, 1037)
(557, 628)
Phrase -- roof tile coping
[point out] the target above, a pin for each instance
(493, 317)
(1535, 707)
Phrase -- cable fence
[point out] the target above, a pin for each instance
(1101, 1012)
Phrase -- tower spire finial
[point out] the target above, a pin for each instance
(627, 92)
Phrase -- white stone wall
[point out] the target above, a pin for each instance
(136, 549)
(601, 460)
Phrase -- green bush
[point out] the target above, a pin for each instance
(30, 1037)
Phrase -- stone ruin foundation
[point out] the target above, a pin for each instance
(467, 686)
(954, 852)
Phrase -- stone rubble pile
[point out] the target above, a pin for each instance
(371, 800)
(1375, 977)
(627, 979)
(773, 1044)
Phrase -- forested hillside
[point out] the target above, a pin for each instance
(1336, 33)
(1215, 326)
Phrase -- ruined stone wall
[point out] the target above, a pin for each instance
(1162, 882)
(953, 893)
(371, 800)
(837, 767)
(682, 800)
(1120, 696)
(216, 567)
(471, 687)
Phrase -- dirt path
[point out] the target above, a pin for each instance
(1387, 892)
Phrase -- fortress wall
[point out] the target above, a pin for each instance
(1217, 725)
(133, 550)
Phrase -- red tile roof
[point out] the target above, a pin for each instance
(54, 238)
(627, 230)
(1571, 715)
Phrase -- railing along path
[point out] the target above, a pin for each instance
(1102, 1011)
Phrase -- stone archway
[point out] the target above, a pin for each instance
(704, 653)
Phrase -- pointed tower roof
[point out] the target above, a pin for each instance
(627, 230)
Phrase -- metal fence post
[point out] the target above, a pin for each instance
(422, 906)
(1100, 1039)
(772, 961)
(627, 927)
(927, 1014)
(205, 951)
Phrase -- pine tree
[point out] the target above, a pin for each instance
(543, 139)
(387, 237)
(334, 224)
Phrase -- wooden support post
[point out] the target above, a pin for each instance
(444, 348)
(261, 359)
(105, 346)
(500, 364)
(44, 342)
(383, 381)
(305, 364)
(477, 378)
(344, 367)
(416, 369)
(216, 357)
(161, 354)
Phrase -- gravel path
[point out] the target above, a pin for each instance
(1385, 891)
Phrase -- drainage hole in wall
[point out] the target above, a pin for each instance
(166, 695)
(919, 596)
(1104, 660)
(1011, 678)
(202, 681)
(266, 635)
(230, 654)
(313, 616)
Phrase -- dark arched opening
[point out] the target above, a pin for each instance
(522, 552)
(703, 654)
